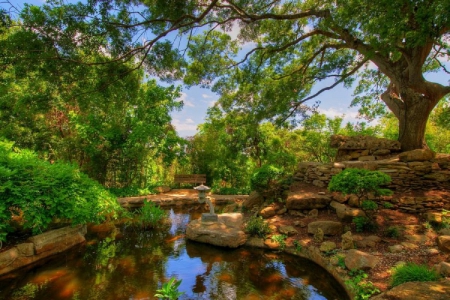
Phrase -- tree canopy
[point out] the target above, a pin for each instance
(263, 57)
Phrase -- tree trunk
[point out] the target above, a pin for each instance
(412, 111)
(412, 124)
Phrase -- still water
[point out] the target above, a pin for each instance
(132, 264)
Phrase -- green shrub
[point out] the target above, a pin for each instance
(265, 178)
(360, 182)
(44, 191)
(412, 272)
(392, 232)
(369, 205)
(257, 226)
(362, 288)
(280, 239)
(365, 224)
(388, 205)
(150, 215)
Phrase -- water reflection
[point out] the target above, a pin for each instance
(132, 264)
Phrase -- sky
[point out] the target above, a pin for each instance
(335, 102)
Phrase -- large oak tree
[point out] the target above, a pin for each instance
(282, 49)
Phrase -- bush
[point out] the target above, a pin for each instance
(392, 232)
(365, 224)
(360, 182)
(359, 284)
(265, 178)
(412, 272)
(369, 205)
(44, 191)
(150, 214)
(257, 226)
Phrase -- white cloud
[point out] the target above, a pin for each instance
(206, 96)
(186, 125)
(186, 102)
(348, 115)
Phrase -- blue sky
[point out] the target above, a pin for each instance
(196, 100)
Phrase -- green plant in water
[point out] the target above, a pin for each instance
(362, 288)
(257, 226)
(280, 239)
(412, 272)
(169, 290)
(150, 214)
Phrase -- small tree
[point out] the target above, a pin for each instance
(360, 182)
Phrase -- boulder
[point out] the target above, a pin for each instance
(328, 227)
(347, 241)
(307, 201)
(224, 233)
(254, 199)
(443, 242)
(358, 260)
(443, 268)
(327, 246)
(417, 155)
(432, 290)
(268, 212)
(346, 213)
(287, 230)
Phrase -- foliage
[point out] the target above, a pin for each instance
(388, 205)
(341, 261)
(44, 191)
(132, 191)
(150, 215)
(280, 239)
(362, 288)
(360, 182)
(298, 246)
(265, 178)
(412, 272)
(365, 224)
(231, 191)
(392, 232)
(169, 290)
(257, 226)
(369, 205)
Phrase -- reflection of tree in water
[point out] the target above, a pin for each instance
(240, 273)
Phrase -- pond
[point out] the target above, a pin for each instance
(132, 264)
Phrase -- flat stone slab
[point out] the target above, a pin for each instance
(432, 290)
(220, 233)
(307, 201)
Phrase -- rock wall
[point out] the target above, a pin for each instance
(411, 172)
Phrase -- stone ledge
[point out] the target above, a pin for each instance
(40, 247)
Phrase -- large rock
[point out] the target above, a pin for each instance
(434, 290)
(227, 232)
(444, 242)
(358, 260)
(307, 201)
(417, 155)
(268, 212)
(254, 199)
(328, 227)
(346, 213)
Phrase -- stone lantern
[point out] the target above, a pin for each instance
(211, 216)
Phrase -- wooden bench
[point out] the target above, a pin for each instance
(190, 178)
